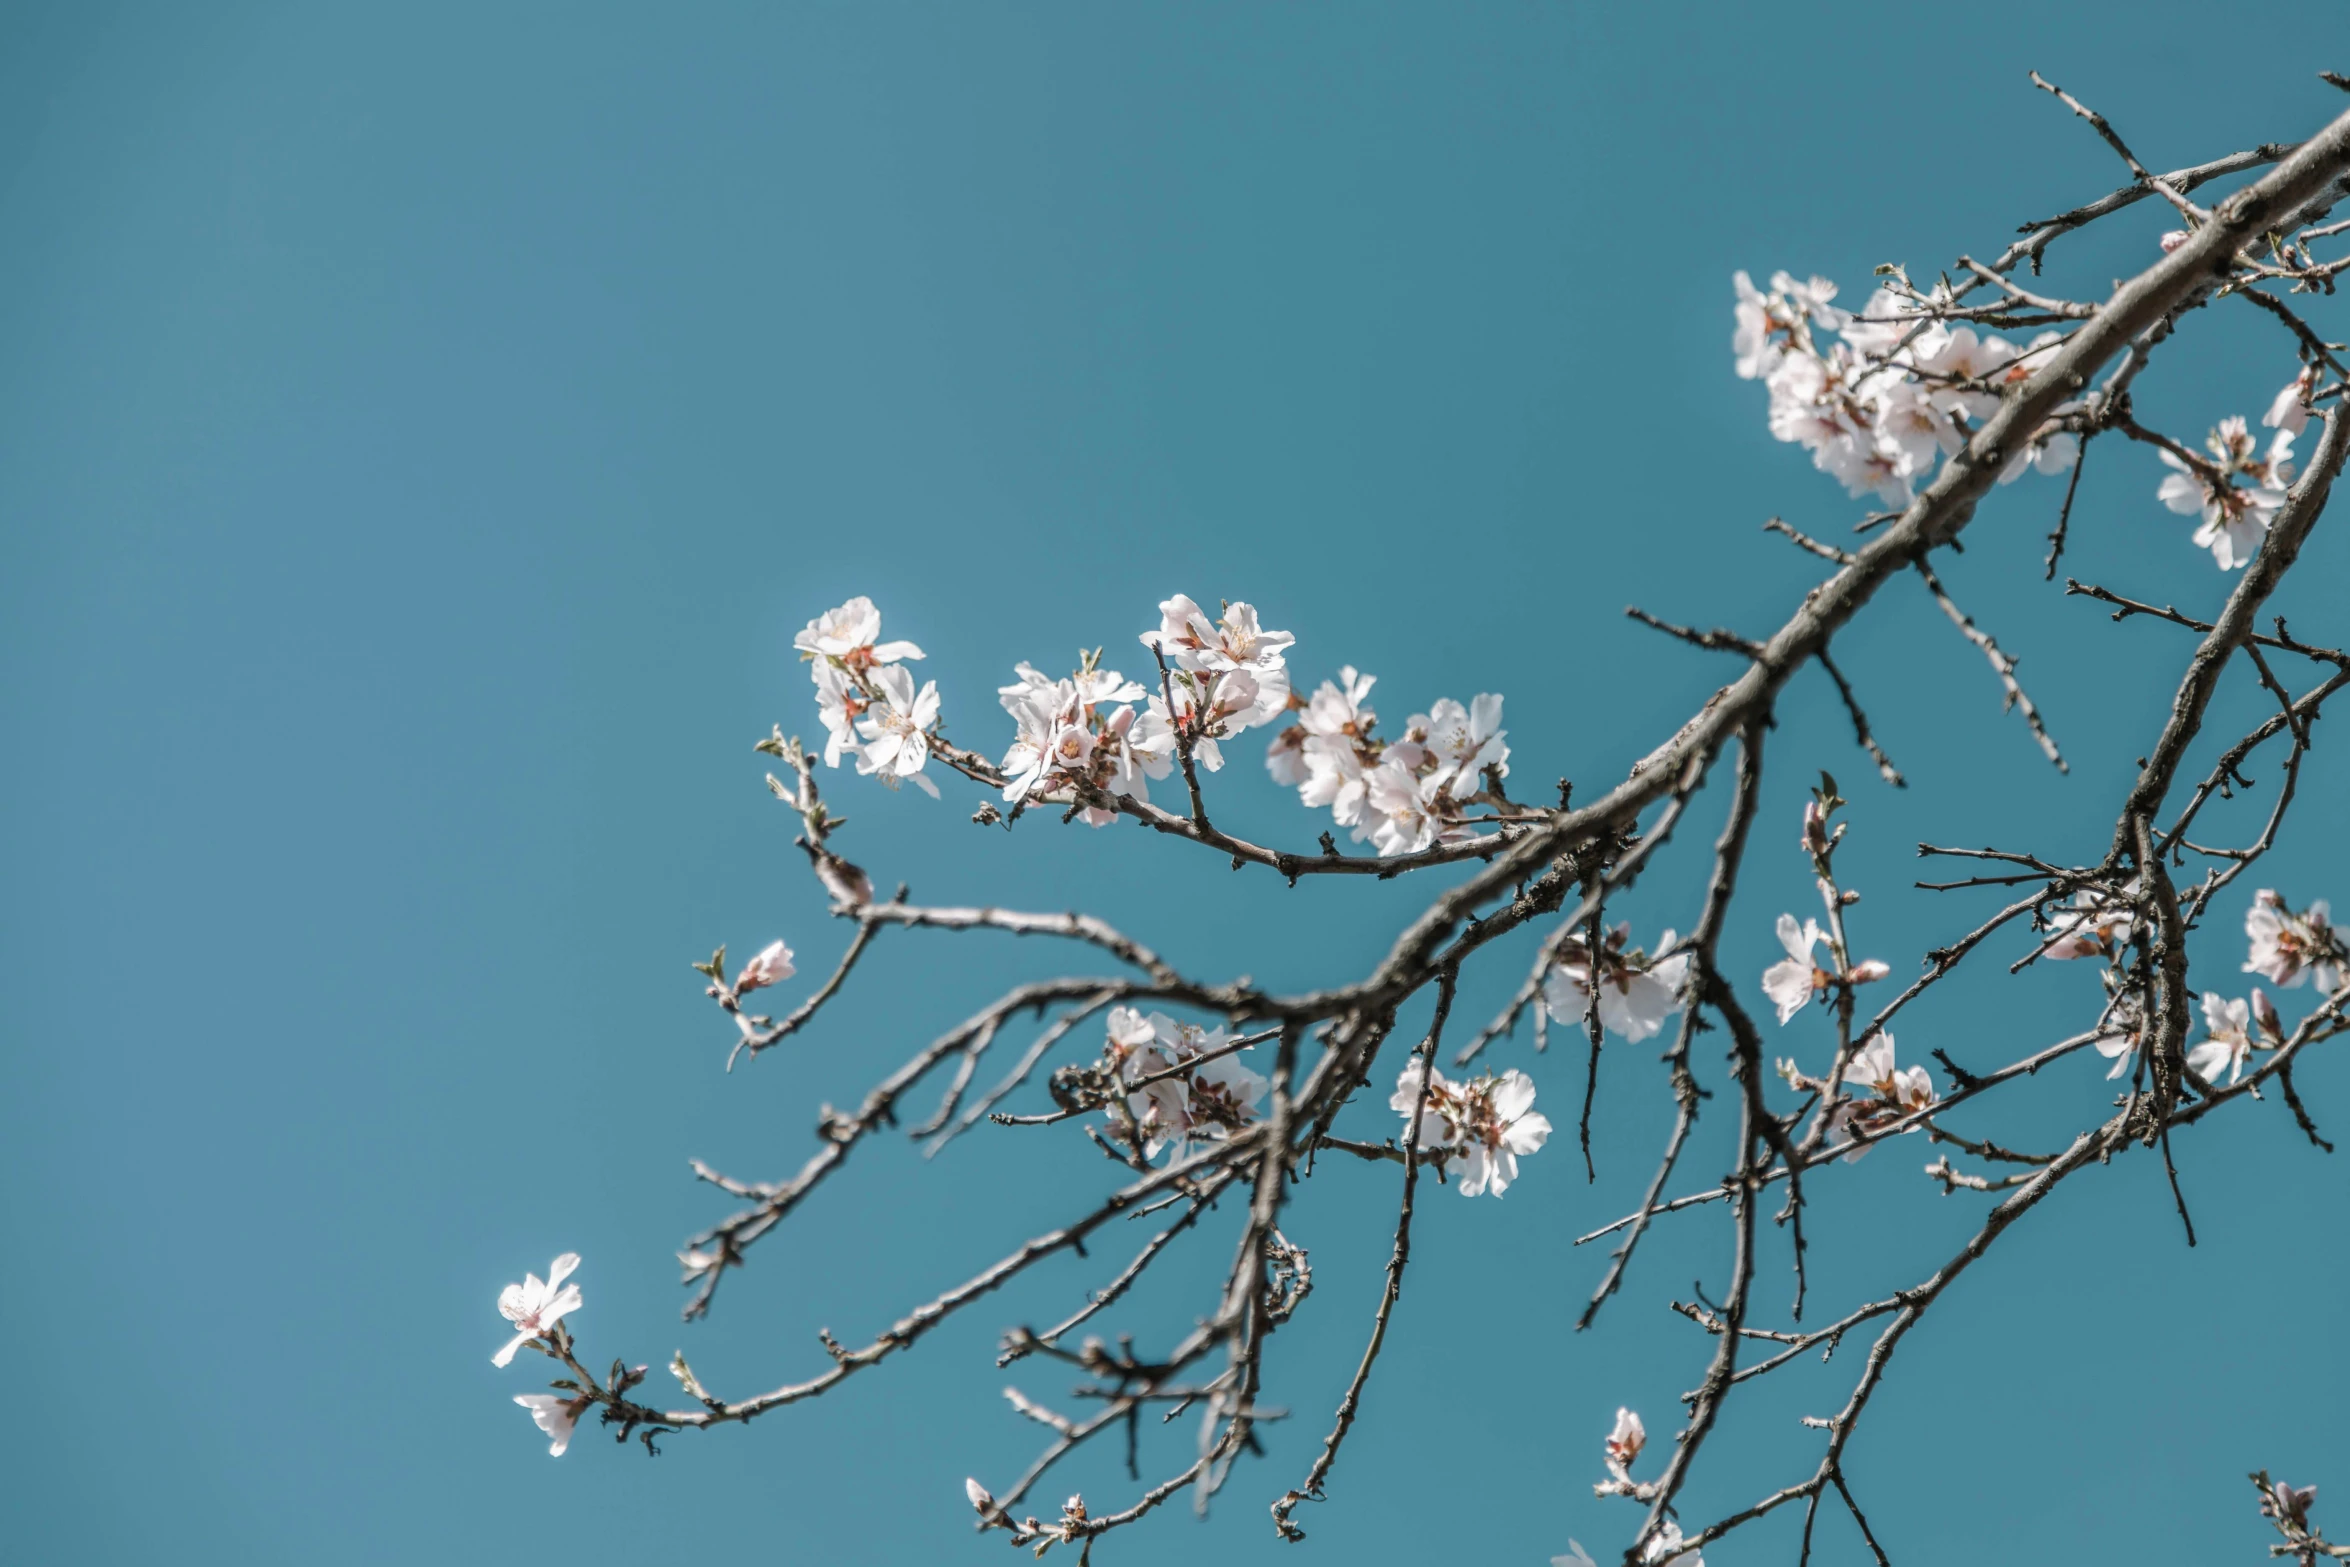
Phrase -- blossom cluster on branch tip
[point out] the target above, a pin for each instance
(1900, 1091)
(1070, 735)
(1484, 1124)
(870, 709)
(2237, 490)
(1402, 795)
(1637, 991)
(1878, 399)
(1186, 1084)
(537, 1308)
(2287, 947)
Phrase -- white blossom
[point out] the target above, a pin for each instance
(838, 702)
(2230, 1044)
(1485, 1124)
(1664, 1548)
(1398, 816)
(1624, 1444)
(1035, 715)
(2235, 515)
(2097, 925)
(1464, 741)
(850, 635)
(1576, 1556)
(556, 1416)
(2290, 409)
(2119, 1035)
(534, 1307)
(1796, 978)
(1637, 992)
(896, 728)
(2288, 947)
(772, 966)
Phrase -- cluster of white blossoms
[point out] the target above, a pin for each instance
(2238, 489)
(2288, 947)
(1403, 794)
(1096, 737)
(869, 706)
(1073, 735)
(1082, 736)
(1878, 399)
(1623, 1448)
(1224, 676)
(537, 1308)
(1637, 992)
(1484, 1124)
(1900, 1091)
(1186, 1084)
(1801, 977)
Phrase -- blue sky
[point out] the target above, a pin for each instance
(422, 430)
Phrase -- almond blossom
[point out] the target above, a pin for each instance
(1399, 813)
(849, 635)
(1636, 992)
(2235, 514)
(1234, 644)
(1664, 1548)
(1794, 980)
(1880, 398)
(1900, 1091)
(1175, 1102)
(1797, 978)
(2230, 1044)
(2097, 925)
(772, 966)
(534, 1307)
(1464, 741)
(838, 704)
(1484, 1124)
(1066, 744)
(2290, 409)
(1624, 1444)
(2288, 947)
(554, 1415)
(895, 729)
(2119, 1036)
(1576, 1556)
(1402, 795)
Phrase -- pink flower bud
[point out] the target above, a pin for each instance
(2173, 240)
(1867, 970)
(1815, 828)
(979, 1496)
(2264, 1012)
(771, 967)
